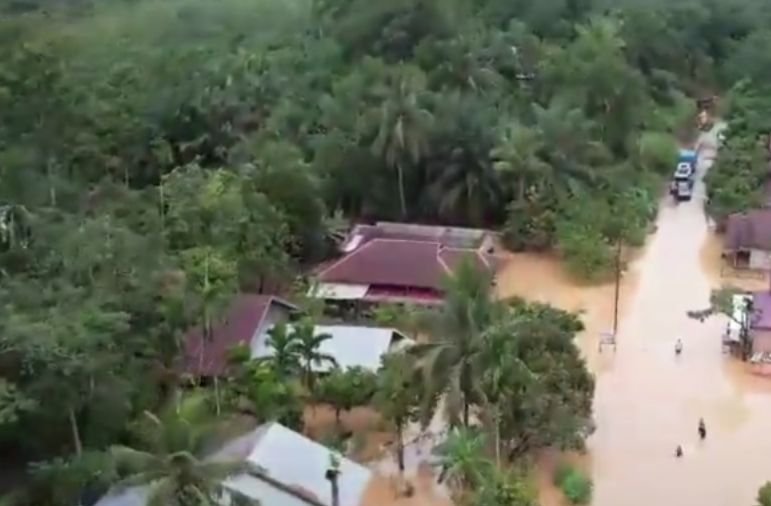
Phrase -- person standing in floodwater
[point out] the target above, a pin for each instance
(702, 429)
(678, 451)
(678, 347)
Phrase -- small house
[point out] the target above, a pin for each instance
(246, 322)
(747, 240)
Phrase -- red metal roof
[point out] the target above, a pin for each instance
(242, 320)
(400, 263)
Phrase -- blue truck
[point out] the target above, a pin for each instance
(685, 175)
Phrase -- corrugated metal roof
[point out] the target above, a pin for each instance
(295, 463)
(298, 462)
(351, 346)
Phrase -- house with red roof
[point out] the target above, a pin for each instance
(246, 322)
(401, 263)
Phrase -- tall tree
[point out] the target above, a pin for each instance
(397, 397)
(307, 344)
(404, 122)
(284, 356)
(450, 360)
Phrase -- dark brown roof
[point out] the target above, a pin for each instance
(750, 230)
(399, 262)
(243, 318)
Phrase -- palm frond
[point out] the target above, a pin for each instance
(129, 460)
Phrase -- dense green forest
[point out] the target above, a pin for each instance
(157, 157)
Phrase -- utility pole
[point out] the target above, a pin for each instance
(617, 293)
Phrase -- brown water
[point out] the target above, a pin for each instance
(647, 401)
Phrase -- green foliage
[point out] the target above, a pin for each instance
(576, 486)
(586, 253)
(764, 495)
(156, 158)
(736, 180)
(346, 389)
(62, 481)
(657, 151)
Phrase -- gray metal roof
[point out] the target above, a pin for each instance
(300, 463)
(295, 463)
(351, 346)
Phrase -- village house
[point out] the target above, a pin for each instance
(249, 320)
(246, 322)
(400, 263)
(284, 469)
(747, 240)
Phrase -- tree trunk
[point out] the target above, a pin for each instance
(51, 185)
(217, 408)
(617, 288)
(465, 385)
(497, 422)
(75, 432)
(402, 197)
(337, 417)
(400, 447)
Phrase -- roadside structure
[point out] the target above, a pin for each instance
(747, 240)
(246, 322)
(760, 333)
(400, 263)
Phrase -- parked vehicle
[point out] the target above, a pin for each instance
(683, 180)
(688, 156)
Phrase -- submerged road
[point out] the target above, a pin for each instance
(648, 401)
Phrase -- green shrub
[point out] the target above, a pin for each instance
(585, 251)
(576, 486)
(658, 151)
(561, 472)
(764, 495)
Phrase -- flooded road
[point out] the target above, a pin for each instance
(647, 401)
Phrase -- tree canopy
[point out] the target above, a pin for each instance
(157, 158)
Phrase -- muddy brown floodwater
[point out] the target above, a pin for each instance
(647, 401)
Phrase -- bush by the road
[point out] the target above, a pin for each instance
(575, 485)
(764, 495)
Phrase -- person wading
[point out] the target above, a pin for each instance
(702, 429)
(678, 347)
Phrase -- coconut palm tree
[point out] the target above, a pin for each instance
(462, 459)
(167, 460)
(306, 344)
(450, 361)
(285, 357)
(404, 124)
(568, 147)
(397, 397)
(517, 159)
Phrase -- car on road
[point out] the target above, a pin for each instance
(681, 187)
